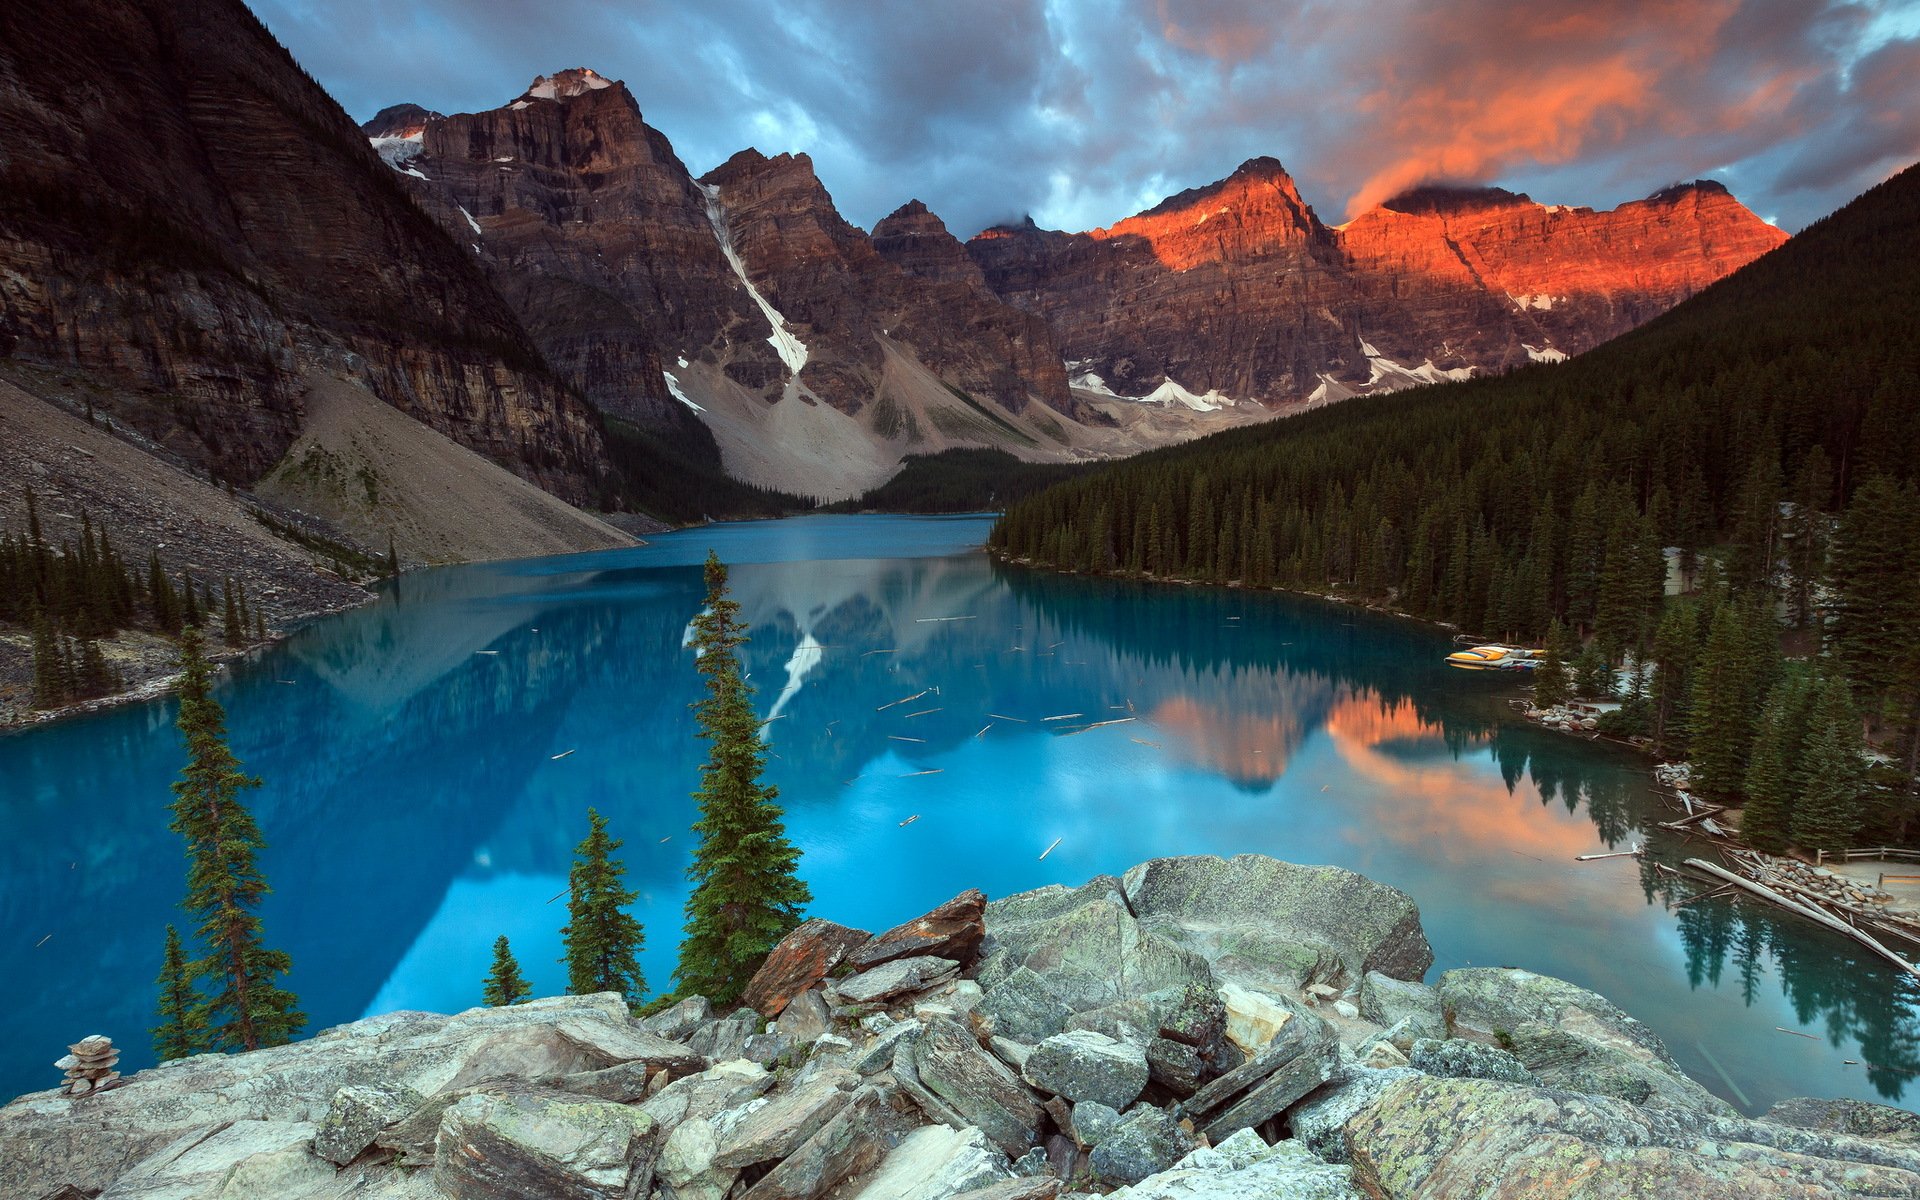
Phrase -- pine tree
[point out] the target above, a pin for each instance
(182, 1029)
(247, 1008)
(747, 892)
(1729, 684)
(1830, 774)
(1592, 678)
(231, 631)
(504, 985)
(1673, 652)
(1767, 818)
(602, 940)
(1551, 685)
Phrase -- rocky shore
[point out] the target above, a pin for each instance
(1199, 1029)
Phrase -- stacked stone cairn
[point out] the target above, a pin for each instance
(89, 1065)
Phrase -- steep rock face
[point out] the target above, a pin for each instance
(595, 232)
(1238, 287)
(843, 294)
(183, 210)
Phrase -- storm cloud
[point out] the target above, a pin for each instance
(1080, 112)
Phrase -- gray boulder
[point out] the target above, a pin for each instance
(1461, 1059)
(678, 1022)
(849, 1145)
(1148, 1141)
(1569, 1037)
(804, 1020)
(1093, 1121)
(538, 1143)
(1471, 1137)
(1245, 1168)
(899, 977)
(1084, 1065)
(936, 1163)
(1271, 923)
(877, 1054)
(720, 1087)
(775, 1129)
(1319, 1122)
(1300, 1059)
(1857, 1118)
(974, 1086)
(358, 1115)
(1387, 1002)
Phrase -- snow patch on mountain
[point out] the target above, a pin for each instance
(470, 221)
(792, 350)
(399, 152)
(1544, 354)
(673, 386)
(564, 85)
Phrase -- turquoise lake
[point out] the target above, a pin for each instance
(429, 759)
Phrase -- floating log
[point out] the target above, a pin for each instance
(917, 774)
(896, 737)
(931, 620)
(1812, 914)
(910, 820)
(1004, 717)
(559, 756)
(1697, 815)
(923, 712)
(1049, 849)
(894, 650)
(983, 729)
(903, 700)
(1634, 853)
(1064, 717)
(1155, 745)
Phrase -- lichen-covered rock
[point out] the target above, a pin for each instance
(849, 1145)
(1320, 1120)
(799, 963)
(1245, 1168)
(936, 1163)
(773, 1130)
(1461, 1059)
(1856, 1117)
(1149, 1140)
(713, 1091)
(1570, 1037)
(1084, 1065)
(537, 1142)
(1468, 1137)
(975, 1086)
(1093, 1121)
(900, 977)
(356, 1117)
(676, 1022)
(1387, 1001)
(1262, 921)
(953, 930)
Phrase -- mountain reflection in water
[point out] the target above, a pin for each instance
(415, 808)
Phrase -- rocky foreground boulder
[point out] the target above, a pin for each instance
(1199, 1029)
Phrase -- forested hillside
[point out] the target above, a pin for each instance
(1769, 429)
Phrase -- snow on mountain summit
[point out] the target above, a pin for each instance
(564, 85)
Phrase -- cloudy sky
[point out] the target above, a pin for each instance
(1081, 112)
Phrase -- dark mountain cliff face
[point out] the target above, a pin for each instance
(184, 211)
(626, 268)
(1239, 287)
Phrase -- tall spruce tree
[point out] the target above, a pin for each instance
(1830, 773)
(1767, 818)
(747, 893)
(1735, 668)
(602, 940)
(504, 984)
(246, 1008)
(182, 1029)
(1552, 685)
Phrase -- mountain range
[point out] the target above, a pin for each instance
(196, 239)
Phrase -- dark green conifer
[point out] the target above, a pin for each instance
(747, 892)
(504, 985)
(1830, 773)
(246, 1008)
(602, 941)
(182, 1029)
(1551, 684)
(1766, 820)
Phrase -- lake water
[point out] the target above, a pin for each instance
(416, 809)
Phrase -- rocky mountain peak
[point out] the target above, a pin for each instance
(399, 120)
(916, 240)
(565, 85)
(1446, 199)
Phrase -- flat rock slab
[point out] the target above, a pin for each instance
(538, 1143)
(846, 1146)
(1470, 1137)
(359, 1114)
(1084, 1065)
(954, 930)
(897, 978)
(776, 1129)
(799, 963)
(1265, 920)
(1245, 1168)
(936, 1163)
(976, 1086)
